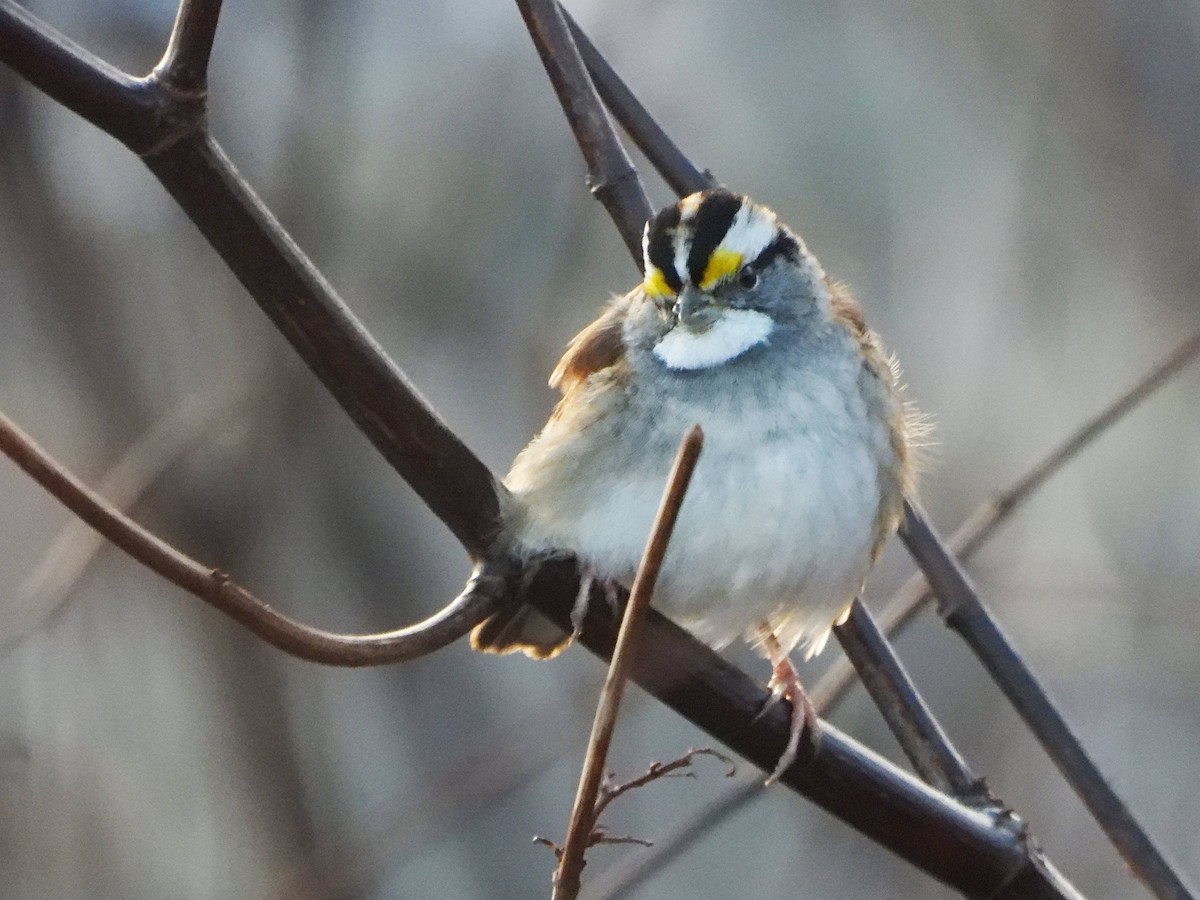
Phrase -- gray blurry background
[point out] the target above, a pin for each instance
(1009, 187)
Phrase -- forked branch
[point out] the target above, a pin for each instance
(184, 65)
(168, 128)
(163, 118)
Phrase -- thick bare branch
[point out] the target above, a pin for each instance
(128, 108)
(376, 394)
(484, 590)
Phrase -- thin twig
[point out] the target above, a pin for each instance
(49, 582)
(611, 175)
(586, 808)
(621, 877)
(603, 837)
(610, 791)
(479, 598)
(974, 852)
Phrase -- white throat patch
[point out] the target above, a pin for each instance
(735, 332)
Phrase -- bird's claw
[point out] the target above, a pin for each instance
(785, 684)
(588, 578)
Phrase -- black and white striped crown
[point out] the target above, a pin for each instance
(708, 237)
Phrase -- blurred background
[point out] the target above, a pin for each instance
(1010, 189)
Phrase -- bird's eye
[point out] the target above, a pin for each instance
(747, 279)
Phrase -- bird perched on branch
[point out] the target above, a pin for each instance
(807, 443)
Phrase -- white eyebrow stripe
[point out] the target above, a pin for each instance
(752, 229)
(682, 239)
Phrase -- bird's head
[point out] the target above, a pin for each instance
(723, 273)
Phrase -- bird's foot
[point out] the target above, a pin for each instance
(535, 561)
(588, 578)
(785, 684)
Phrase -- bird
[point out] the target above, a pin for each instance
(808, 444)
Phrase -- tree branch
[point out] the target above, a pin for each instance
(119, 104)
(647, 134)
(979, 854)
(483, 591)
(169, 130)
(904, 605)
(376, 394)
(184, 65)
(959, 605)
(611, 176)
(910, 719)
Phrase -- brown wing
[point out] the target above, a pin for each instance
(597, 347)
(846, 308)
(903, 421)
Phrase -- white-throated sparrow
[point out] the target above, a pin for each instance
(806, 461)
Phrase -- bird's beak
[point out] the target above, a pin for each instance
(694, 310)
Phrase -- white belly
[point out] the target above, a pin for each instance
(771, 535)
(778, 526)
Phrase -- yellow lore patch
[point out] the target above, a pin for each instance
(721, 264)
(655, 284)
